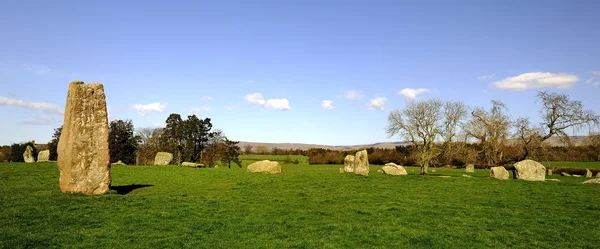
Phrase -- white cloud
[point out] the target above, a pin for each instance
(231, 107)
(206, 98)
(536, 80)
(377, 103)
(353, 95)
(43, 120)
(201, 109)
(594, 80)
(327, 104)
(486, 77)
(410, 93)
(153, 107)
(258, 99)
(36, 106)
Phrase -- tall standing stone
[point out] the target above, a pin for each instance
(470, 168)
(361, 163)
(588, 173)
(349, 164)
(83, 156)
(43, 156)
(28, 155)
(530, 170)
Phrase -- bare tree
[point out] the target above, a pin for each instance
(491, 129)
(248, 149)
(528, 136)
(420, 123)
(454, 114)
(560, 113)
(593, 141)
(149, 144)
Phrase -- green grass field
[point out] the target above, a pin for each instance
(280, 158)
(305, 207)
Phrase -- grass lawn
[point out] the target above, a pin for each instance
(588, 165)
(305, 207)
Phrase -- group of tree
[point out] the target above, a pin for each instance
(426, 124)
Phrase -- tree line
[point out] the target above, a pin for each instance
(189, 140)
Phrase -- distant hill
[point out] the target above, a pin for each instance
(553, 141)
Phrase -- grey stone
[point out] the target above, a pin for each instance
(361, 163)
(192, 165)
(552, 180)
(499, 173)
(565, 174)
(395, 170)
(28, 155)
(470, 168)
(592, 181)
(163, 158)
(550, 172)
(349, 164)
(83, 152)
(43, 156)
(588, 173)
(265, 166)
(530, 170)
(118, 163)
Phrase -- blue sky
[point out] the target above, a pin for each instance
(325, 72)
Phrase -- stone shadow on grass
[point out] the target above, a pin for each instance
(126, 189)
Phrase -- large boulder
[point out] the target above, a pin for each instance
(588, 173)
(83, 156)
(530, 170)
(499, 173)
(28, 155)
(349, 164)
(470, 168)
(265, 166)
(163, 158)
(43, 156)
(361, 163)
(393, 169)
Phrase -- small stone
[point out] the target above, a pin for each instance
(588, 173)
(163, 158)
(433, 171)
(549, 172)
(28, 155)
(552, 180)
(394, 170)
(467, 176)
(598, 175)
(592, 181)
(118, 163)
(499, 173)
(342, 170)
(43, 156)
(349, 164)
(193, 165)
(265, 166)
(470, 168)
(565, 174)
(576, 175)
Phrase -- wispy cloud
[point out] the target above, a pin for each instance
(536, 80)
(258, 99)
(410, 93)
(36, 106)
(327, 104)
(351, 95)
(231, 107)
(206, 98)
(377, 103)
(43, 120)
(486, 77)
(153, 107)
(594, 80)
(201, 109)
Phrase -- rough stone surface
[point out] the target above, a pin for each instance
(265, 166)
(499, 173)
(83, 156)
(349, 164)
(598, 175)
(43, 156)
(530, 170)
(565, 174)
(361, 163)
(592, 181)
(588, 173)
(28, 155)
(470, 168)
(193, 165)
(394, 170)
(118, 163)
(550, 172)
(163, 158)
